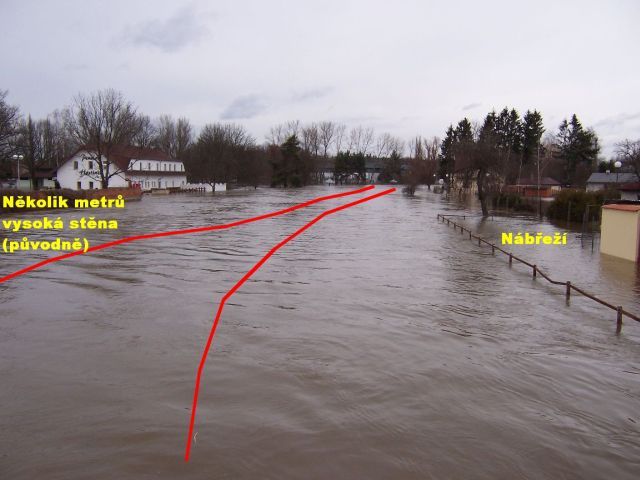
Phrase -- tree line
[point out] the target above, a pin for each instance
(294, 154)
(505, 148)
(501, 150)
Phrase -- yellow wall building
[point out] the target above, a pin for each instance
(620, 231)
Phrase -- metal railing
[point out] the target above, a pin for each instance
(536, 271)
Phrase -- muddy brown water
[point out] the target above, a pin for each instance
(379, 344)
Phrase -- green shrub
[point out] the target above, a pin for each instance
(296, 181)
(574, 203)
(513, 201)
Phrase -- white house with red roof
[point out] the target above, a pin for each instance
(145, 168)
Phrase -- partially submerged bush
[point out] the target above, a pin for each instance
(513, 201)
(573, 203)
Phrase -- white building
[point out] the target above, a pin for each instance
(145, 168)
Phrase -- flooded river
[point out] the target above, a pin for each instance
(379, 344)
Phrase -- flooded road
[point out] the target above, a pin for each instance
(379, 344)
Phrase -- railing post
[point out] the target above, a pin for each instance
(619, 321)
(510, 259)
(478, 241)
(469, 234)
(493, 249)
(535, 271)
(568, 290)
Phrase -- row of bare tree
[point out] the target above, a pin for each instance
(219, 153)
(328, 138)
(500, 149)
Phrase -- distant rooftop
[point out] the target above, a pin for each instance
(613, 178)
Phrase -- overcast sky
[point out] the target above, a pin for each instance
(406, 67)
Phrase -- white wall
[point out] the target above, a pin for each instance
(619, 233)
(149, 181)
(68, 177)
(159, 166)
(152, 174)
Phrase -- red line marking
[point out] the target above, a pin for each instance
(181, 232)
(237, 286)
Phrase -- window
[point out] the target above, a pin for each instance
(148, 165)
(75, 164)
(79, 185)
(91, 185)
(90, 165)
(165, 167)
(157, 166)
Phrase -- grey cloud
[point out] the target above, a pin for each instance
(181, 29)
(311, 94)
(617, 120)
(247, 106)
(470, 106)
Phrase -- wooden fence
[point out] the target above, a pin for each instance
(620, 311)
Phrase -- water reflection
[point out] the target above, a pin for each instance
(379, 344)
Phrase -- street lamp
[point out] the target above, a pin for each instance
(18, 158)
(618, 164)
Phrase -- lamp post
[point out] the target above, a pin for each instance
(618, 164)
(18, 158)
